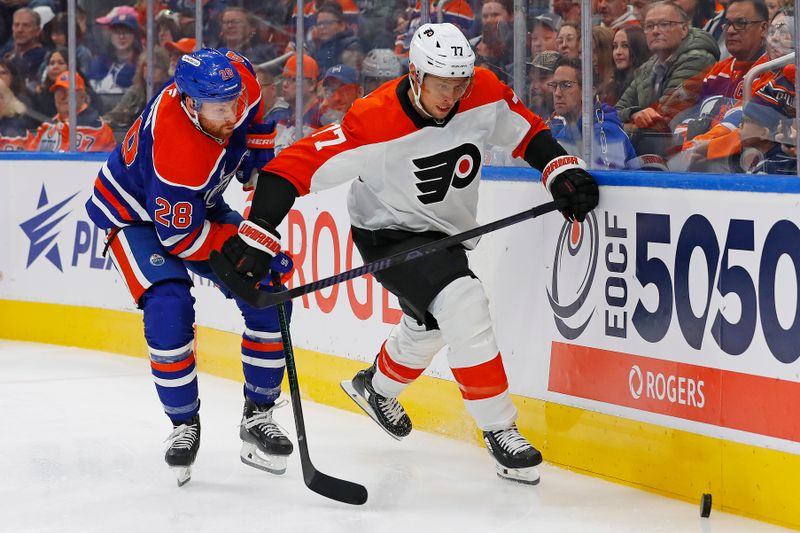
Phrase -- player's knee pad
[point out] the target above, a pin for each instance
(462, 311)
(412, 344)
(168, 314)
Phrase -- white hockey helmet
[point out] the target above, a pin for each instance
(441, 50)
(381, 63)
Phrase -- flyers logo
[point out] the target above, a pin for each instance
(456, 167)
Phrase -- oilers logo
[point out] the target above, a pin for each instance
(457, 167)
(574, 268)
(51, 140)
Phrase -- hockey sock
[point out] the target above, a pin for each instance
(462, 311)
(263, 364)
(168, 330)
(263, 361)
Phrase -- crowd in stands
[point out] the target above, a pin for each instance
(668, 76)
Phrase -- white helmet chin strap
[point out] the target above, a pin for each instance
(195, 118)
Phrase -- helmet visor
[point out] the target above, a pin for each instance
(231, 110)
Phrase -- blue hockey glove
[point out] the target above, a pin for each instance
(283, 264)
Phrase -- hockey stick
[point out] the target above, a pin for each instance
(260, 299)
(323, 484)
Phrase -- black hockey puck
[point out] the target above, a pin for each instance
(705, 505)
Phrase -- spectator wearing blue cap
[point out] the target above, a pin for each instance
(112, 71)
(341, 88)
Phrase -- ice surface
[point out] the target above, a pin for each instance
(81, 450)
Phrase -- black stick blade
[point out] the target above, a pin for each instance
(336, 489)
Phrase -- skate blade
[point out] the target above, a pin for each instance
(528, 476)
(183, 474)
(347, 386)
(252, 456)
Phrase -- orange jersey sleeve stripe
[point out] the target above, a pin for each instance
(298, 162)
(396, 371)
(482, 381)
(173, 367)
(110, 198)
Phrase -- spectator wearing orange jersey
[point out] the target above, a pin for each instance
(310, 10)
(745, 31)
(93, 134)
(724, 138)
(456, 12)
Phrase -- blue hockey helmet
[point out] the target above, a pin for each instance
(207, 76)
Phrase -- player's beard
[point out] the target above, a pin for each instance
(218, 129)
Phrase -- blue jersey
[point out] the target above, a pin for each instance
(170, 174)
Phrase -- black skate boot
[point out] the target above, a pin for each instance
(387, 412)
(514, 456)
(184, 441)
(264, 444)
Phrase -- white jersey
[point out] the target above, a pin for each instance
(411, 173)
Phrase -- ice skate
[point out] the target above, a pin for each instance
(387, 412)
(184, 441)
(264, 443)
(515, 458)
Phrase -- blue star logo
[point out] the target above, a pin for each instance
(39, 229)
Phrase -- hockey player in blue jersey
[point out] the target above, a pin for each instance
(159, 198)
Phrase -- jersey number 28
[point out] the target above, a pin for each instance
(180, 213)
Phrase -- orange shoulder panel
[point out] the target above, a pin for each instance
(486, 88)
(182, 155)
(379, 117)
(374, 119)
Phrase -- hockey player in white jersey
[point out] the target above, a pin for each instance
(415, 181)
